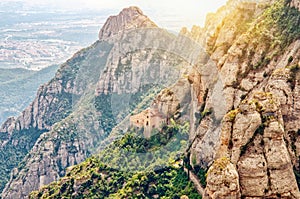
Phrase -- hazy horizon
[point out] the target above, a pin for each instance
(170, 15)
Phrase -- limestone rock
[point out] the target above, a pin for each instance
(222, 181)
(244, 110)
(258, 148)
(174, 100)
(130, 66)
(128, 18)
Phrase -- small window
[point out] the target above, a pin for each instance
(147, 123)
(147, 116)
(137, 121)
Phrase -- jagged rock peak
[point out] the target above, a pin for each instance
(128, 18)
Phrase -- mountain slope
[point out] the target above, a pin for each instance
(248, 142)
(245, 121)
(73, 115)
(240, 100)
(125, 169)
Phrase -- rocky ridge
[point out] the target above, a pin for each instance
(128, 19)
(244, 121)
(255, 145)
(244, 113)
(91, 83)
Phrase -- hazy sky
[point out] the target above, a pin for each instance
(165, 13)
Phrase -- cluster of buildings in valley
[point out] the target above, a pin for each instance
(34, 54)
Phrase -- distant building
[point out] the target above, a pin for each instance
(148, 119)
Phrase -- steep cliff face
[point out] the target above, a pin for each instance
(52, 104)
(253, 139)
(251, 153)
(91, 93)
(236, 82)
(215, 93)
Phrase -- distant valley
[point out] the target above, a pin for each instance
(211, 112)
(18, 88)
(34, 39)
(33, 43)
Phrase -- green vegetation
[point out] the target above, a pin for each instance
(59, 109)
(131, 167)
(288, 21)
(143, 98)
(92, 179)
(201, 174)
(168, 182)
(232, 114)
(114, 110)
(294, 69)
(219, 165)
(278, 27)
(202, 111)
(134, 152)
(290, 59)
(104, 106)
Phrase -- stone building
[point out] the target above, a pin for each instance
(148, 119)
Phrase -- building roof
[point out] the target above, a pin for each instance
(148, 112)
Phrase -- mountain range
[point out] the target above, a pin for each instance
(225, 97)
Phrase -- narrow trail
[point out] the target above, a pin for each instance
(196, 182)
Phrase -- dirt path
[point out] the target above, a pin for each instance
(196, 182)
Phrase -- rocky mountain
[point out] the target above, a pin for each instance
(253, 149)
(129, 18)
(74, 114)
(231, 103)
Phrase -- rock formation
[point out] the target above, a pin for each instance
(255, 136)
(240, 95)
(79, 107)
(128, 18)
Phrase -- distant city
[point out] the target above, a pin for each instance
(35, 39)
